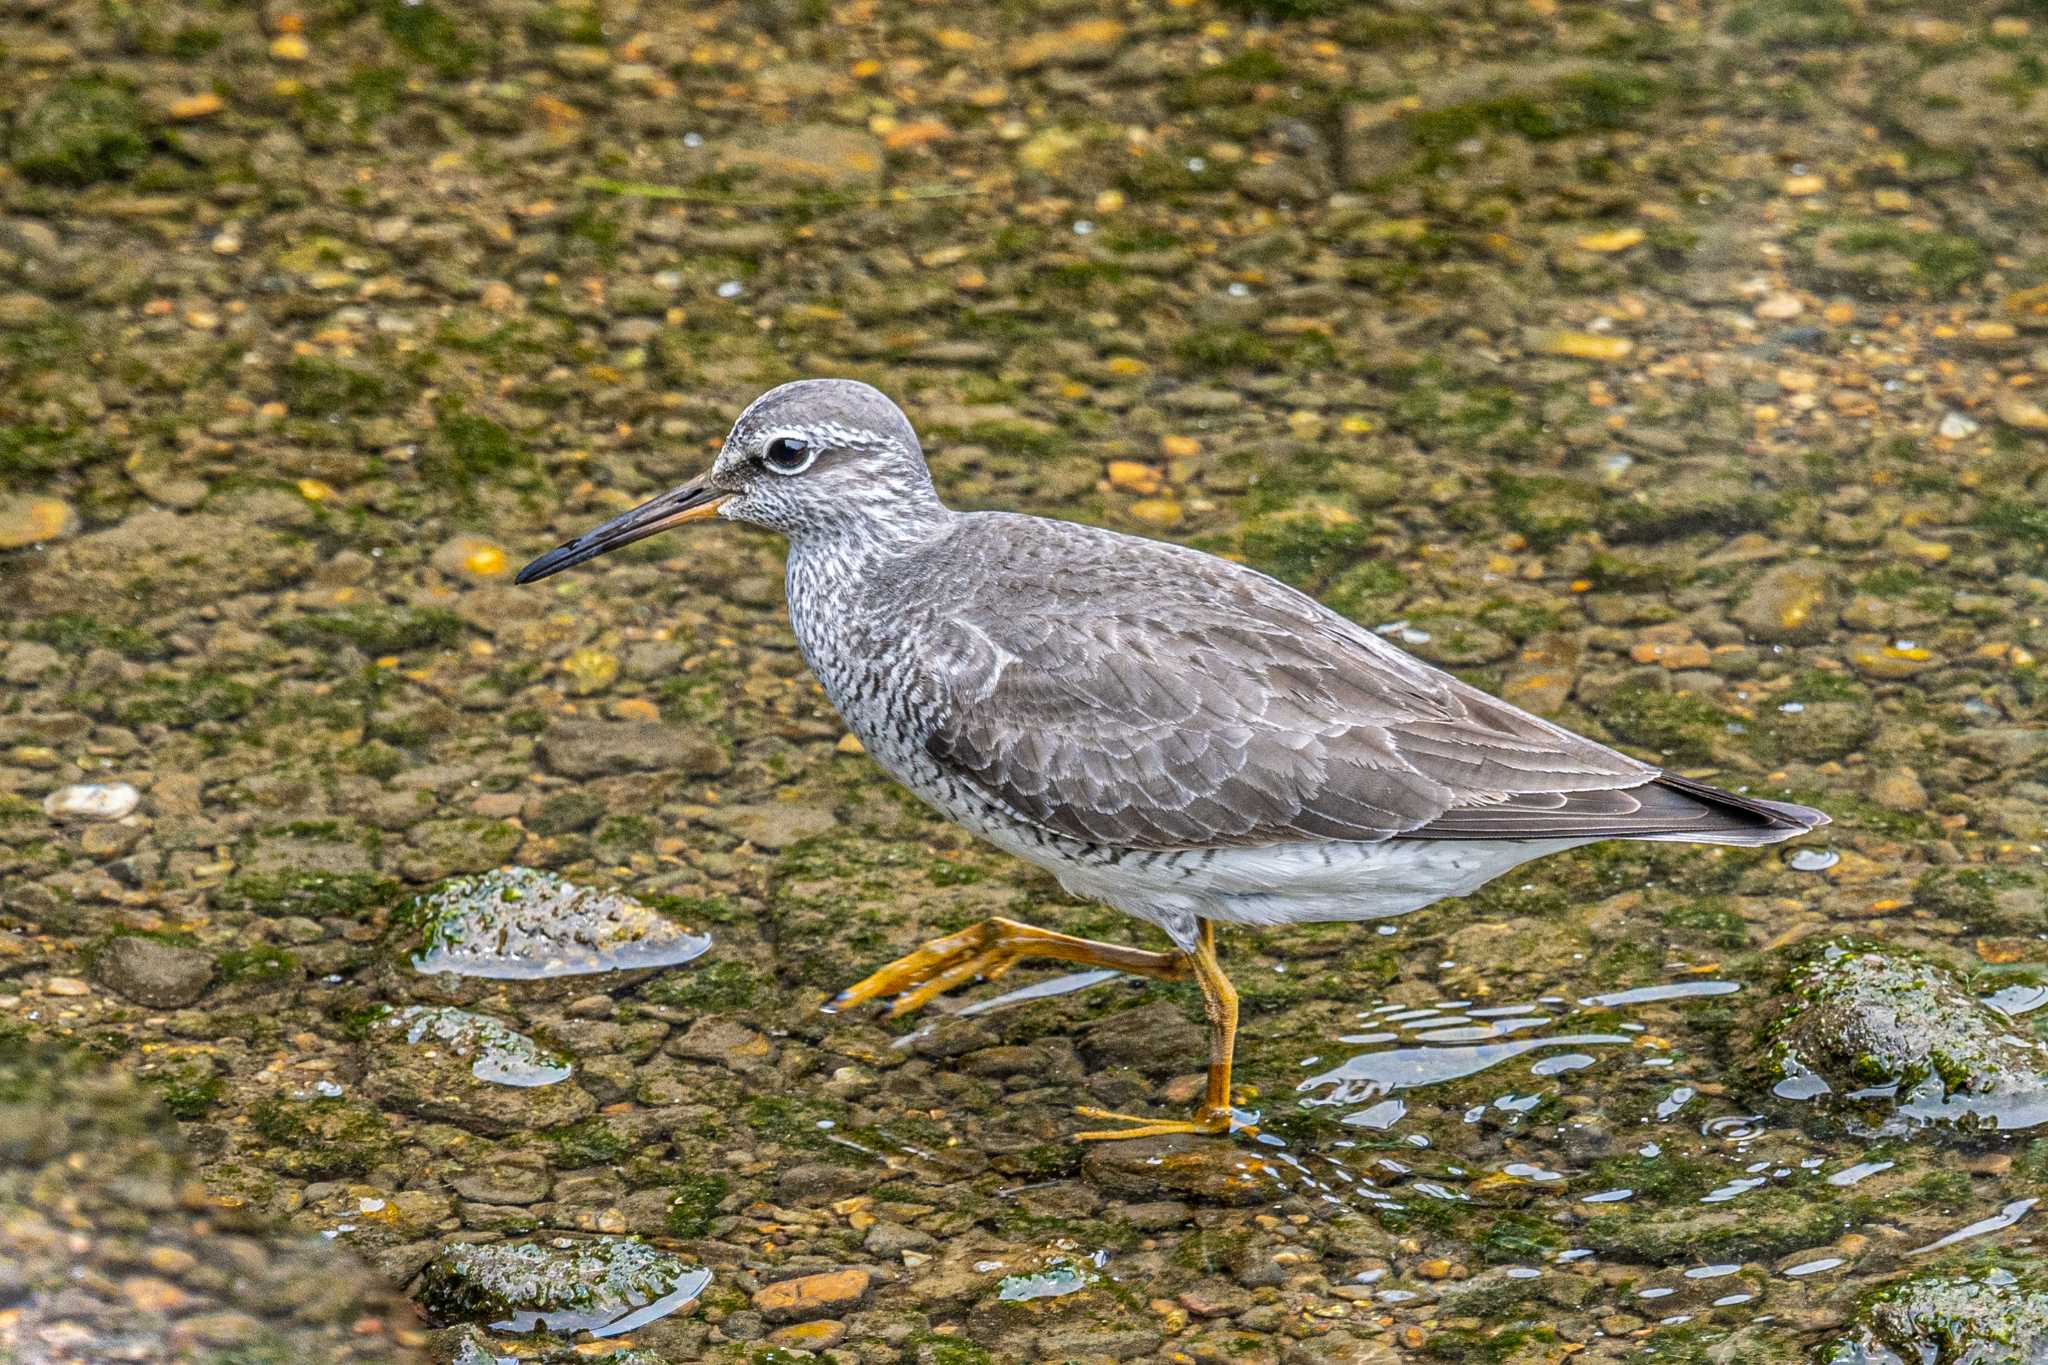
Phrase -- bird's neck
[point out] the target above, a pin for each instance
(875, 527)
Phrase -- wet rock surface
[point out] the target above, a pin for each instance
(1675, 371)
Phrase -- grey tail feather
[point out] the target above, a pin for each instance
(1755, 821)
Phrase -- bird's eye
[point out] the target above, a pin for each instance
(789, 455)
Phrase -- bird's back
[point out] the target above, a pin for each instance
(1130, 694)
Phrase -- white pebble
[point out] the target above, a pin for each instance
(92, 801)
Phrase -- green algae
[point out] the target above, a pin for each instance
(695, 1203)
(321, 1139)
(87, 129)
(376, 630)
(1682, 726)
(347, 895)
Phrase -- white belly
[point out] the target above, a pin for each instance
(1293, 883)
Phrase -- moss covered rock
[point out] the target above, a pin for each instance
(605, 1285)
(518, 923)
(1895, 1033)
(1989, 1319)
(84, 130)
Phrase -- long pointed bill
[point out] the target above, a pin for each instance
(694, 501)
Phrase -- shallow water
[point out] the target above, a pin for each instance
(1675, 372)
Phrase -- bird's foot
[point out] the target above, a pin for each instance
(918, 978)
(1206, 1122)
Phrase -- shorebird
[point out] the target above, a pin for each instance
(1176, 735)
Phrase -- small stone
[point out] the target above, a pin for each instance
(195, 106)
(1899, 789)
(153, 1294)
(1801, 186)
(1182, 1168)
(1955, 426)
(1607, 243)
(1689, 654)
(1164, 513)
(1129, 476)
(1890, 661)
(825, 1295)
(580, 59)
(1787, 602)
(1050, 149)
(65, 985)
(471, 557)
(2018, 410)
(32, 520)
(290, 47)
(1780, 306)
(2031, 302)
(800, 156)
(158, 975)
(890, 1240)
(772, 825)
(1088, 43)
(809, 1336)
(92, 801)
(1582, 345)
(723, 1042)
(590, 670)
(597, 748)
(25, 310)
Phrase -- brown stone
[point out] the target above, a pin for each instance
(813, 1296)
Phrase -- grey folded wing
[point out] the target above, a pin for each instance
(1232, 711)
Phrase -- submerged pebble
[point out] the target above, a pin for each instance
(521, 924)
(1057, 1279)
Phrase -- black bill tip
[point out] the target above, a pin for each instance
(694, 501)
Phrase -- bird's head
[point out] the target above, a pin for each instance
(808, 458)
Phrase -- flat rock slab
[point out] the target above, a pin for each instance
(160, 975)
(602, 748)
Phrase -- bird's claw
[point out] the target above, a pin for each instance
(1206, 1122)
(919, 977)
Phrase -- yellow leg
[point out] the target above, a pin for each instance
(989, 949)
(1219, 1002)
